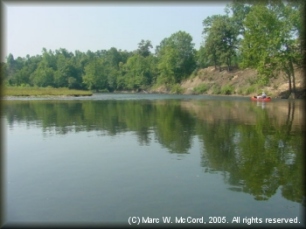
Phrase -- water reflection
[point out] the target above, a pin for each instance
(261, 104)
(258, 149)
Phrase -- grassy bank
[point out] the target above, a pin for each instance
(39, 91)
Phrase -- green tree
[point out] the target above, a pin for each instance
(272, 41)
(44, 72)
(3, 76)
(239, 9)
(68, 71)
(43, 76)
(11, 65)
(112, 59)
(202, 57)
(21, 76)
(61, 73)
(94, 77)
(137, 72)
(49, 58)
(176, 58)
(144, 48)
(220, 40)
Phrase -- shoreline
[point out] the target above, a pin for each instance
(20, 92)
(24, 97)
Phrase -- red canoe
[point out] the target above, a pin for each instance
(267, 99)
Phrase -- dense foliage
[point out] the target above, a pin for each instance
(264, 35)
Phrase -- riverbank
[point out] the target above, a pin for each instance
(39, 91)
(236, 82)
(207, 81)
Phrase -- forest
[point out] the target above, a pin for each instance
(264, 35)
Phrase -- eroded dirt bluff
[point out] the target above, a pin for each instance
(242, 82)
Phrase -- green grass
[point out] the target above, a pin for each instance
(40, 91)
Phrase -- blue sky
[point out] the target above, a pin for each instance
(29, 27)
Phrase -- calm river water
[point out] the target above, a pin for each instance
(130, 158)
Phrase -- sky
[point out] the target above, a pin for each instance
(31, 26)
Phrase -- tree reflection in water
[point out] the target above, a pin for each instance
(257, 149)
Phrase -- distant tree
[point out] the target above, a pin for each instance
(144, 48)
(220, 40)
(62, 72)
(96, 77)
(239, 10)
(81, 59)
(49, 58)
(21, 76)
(67, 72)
(43, 76)
(202, 57)
(176, 58)
(3, 76)
(112, 57)
(138, 74)
(11, 65)
(211, 51)
(42, 69)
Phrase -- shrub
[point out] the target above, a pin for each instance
(250, 89)
(202, 88)
(240, 91)
(227, 90)
(216, 89)
(176, 89)
(25, 85)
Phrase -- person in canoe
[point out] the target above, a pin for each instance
(262, 96)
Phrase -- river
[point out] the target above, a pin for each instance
(138, 158)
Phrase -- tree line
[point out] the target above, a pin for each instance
(263, 35)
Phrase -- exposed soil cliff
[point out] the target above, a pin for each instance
(239, 82)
